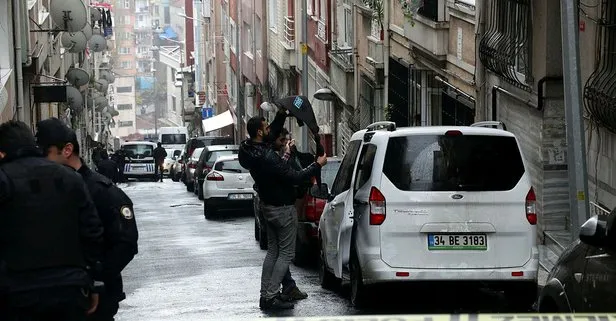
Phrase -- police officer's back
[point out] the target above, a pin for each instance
(114, 208)
(50, 233)
(107, 167)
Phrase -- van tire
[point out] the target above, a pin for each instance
(327, 279)
(522, 296)
(359, 292)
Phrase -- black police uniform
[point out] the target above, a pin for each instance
(119, 157)
(51, 239)
(109, 169)
(116, 211)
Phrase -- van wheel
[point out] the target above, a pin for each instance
(327, 279)
(522, 296)
(359, 293)
(190, 187)
(257, 230)
(209, 211)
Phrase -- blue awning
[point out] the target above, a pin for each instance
(168, 33)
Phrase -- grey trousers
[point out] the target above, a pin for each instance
(281, 222)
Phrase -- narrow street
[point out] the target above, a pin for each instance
(192, 269)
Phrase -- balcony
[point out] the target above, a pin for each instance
(375, 53)
(341, 73)
(289, 33)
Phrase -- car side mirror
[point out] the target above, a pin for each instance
(594, 232)
(319, 191)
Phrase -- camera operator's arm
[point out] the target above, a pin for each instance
(275, 128)
(281, 168)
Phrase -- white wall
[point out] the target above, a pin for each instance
(125, 115)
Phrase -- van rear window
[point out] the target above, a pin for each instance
(138, 150)
(453, 163)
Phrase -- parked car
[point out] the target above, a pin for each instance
(191, 166)
(431, 204)
(140, 163)
(170, 159)
(583, 278)
(227, 186)
(308, 214)
(203, 141)
(206, 162)
(177, 168)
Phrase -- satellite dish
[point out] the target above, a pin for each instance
(97, 31)
(87, 30)
(77, 77)
(101, 85)
(74, 41)
(101, 102)
(98, 43)
(74, 98)
(69, 15)
(95, 14)
(104, 74)
(114, 112)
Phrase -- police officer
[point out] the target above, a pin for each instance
(51, 236)
(119, 157)
(114, 207)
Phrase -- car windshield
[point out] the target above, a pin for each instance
(173, 139)
(328, 172)
(215, 154)
(231, 166)
(138, 150)
(453, 163)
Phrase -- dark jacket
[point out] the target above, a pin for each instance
(275, 178)
(159, 155)
(108, 168)
(115, 209)
(44, 207)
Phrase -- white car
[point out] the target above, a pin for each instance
(431, 204)
(227, 186)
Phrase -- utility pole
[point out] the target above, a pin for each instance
(304, 45)
(576, 142)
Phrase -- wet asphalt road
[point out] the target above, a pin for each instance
(189, 268)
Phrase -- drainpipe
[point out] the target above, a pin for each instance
(540, 89)
(480, 72)
(386, 50)
(17, 25)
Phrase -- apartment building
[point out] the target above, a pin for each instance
(8, 102)
(125, 59)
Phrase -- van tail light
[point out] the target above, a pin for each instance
(215, 177)
(531, 207)
(311, 209)
(192, 165)
(377, 206)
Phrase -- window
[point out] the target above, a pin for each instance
(258, 35)
(232, 35)
(310, 7)
(232, 166)
(138, 150)
(174, 103)
(345, 173)
(128, 123)
(142, 50)
(167, 15)
(453, 163)
(215, 154)
(348, 27)
(430, 9)
(248, 41)
(329, 171)
(323, 10)
(124, 106)
(156, 10)
(124, 51)
(126, 4)
(127, 64)
(175, 139)
(125, 20)
(272, 14)
(364, 167)
(125, 36)
(126, 89)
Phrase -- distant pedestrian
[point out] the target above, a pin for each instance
(159, 157)
(119, 157)
(51, 237)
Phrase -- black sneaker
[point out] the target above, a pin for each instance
(293, 294)
(275, 304)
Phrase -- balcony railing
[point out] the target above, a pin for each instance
(344, 56)
(596, 209)
(375, 53)
(321, 30)
(289, 32)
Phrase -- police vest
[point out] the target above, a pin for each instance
(39, 223)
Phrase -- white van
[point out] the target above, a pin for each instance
(173, 137)
(431, 204)
(140, 160)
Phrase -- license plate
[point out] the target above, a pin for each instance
(240, 196)
(138, 168)
(475, 242)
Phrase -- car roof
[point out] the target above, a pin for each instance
(436, 130)
(226, 158)
(213, 148)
